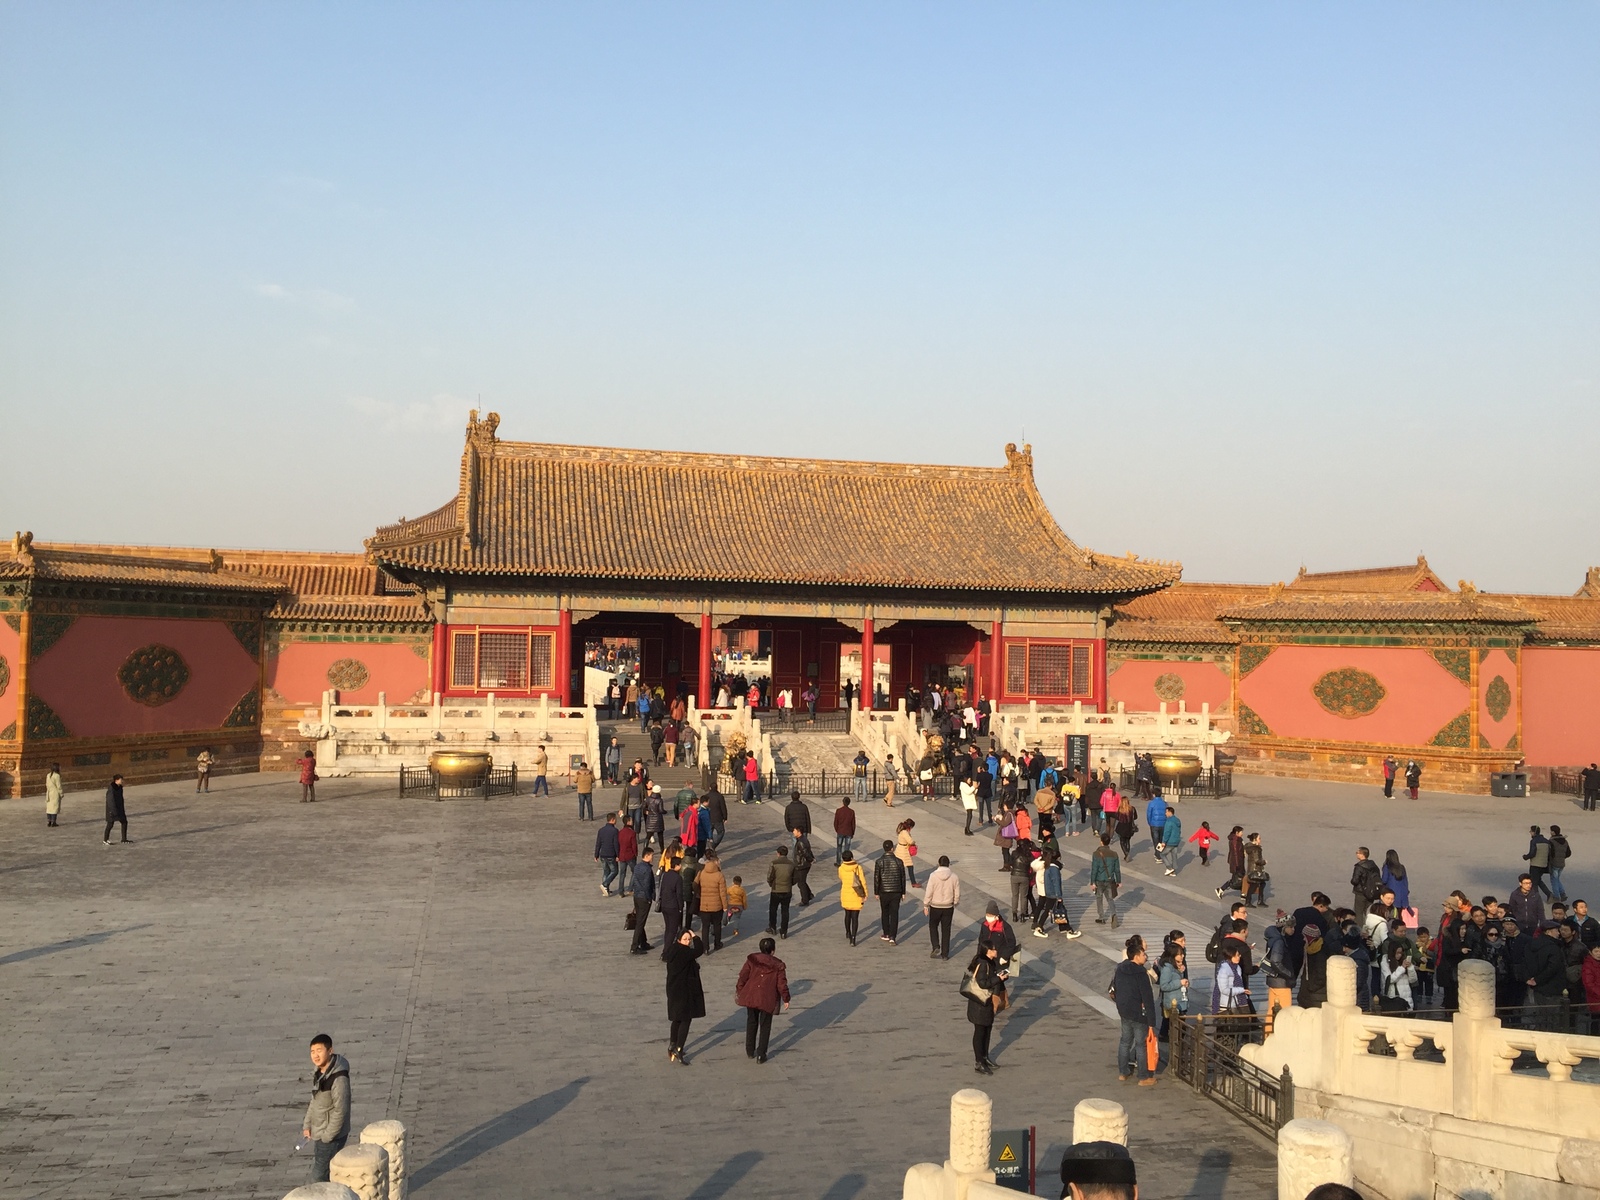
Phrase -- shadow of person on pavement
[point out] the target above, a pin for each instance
(497, 1131)
(723, 1180)
(831, 1010)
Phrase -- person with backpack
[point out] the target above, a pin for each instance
(852, 895)
(802, 857)
(1365, 881)
(763, 984)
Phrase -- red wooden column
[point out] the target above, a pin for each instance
(997, 668)
(703, 697)
(1102, 677)
(564, 656)
(869, 672)
(440, 662)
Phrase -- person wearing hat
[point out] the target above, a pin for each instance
(1098, 1171)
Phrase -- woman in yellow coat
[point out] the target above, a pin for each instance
(852, 894)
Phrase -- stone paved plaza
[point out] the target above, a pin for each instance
(159, 997)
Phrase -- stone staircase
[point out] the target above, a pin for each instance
(801, 752)
(637, 745)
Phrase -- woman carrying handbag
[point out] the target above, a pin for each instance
(983, 983)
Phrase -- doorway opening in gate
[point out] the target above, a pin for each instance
(607, 660)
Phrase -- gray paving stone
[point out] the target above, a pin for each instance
(159, 997)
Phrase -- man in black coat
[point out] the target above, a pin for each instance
(717, 805)
(796, 814)
(1136, 1006)
(1365, 882)
(1546, 967)
(889, 886)
(116, 809)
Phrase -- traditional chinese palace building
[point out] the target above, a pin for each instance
(137, 658)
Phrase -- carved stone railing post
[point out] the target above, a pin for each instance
(322, 1191)
(1342, 982)
(364, 1169)
(391, 1135)
(1099, 1121)
(971, 1116)
(1311, 1153)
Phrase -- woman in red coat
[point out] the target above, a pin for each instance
(763, 985)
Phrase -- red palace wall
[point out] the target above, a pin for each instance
(1561, 705)
(300, 672)
(1421, 696)
(10, 668)
(1497, 731)
(1134, 684)
(77, 676)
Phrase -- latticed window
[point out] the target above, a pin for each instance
(1017, 669)
(1054, 669)
(1048, 668)
(541, 658)
(502, 661)
(464, 660)
(1081, 659)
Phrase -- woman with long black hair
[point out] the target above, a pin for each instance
(1235, 862)
(686, 1000)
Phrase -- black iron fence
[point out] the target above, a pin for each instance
(835, 720)
(1204, 1053)
(779, 785)
(424, 782)
(1213, 782)
(1566, 783)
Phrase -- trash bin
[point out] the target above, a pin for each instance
(1508, 783)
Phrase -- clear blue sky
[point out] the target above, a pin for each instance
(1263, 284)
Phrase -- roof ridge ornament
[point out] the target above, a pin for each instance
(482, 433)
(1020, 460)
(1591, 584)
(22, 547)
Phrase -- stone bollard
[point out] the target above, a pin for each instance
(1099, 1121)
(971, 1113)
(322, 1191)
(1342, 981)
(1475, 988)
(364, 1169)
(1311, 1153)
(391, 1135)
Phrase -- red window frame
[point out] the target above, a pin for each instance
(460, 636)
(1081, 668)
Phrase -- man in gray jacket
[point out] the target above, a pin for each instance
(939, 900)
(328, 1115)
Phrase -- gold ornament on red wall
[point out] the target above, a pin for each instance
(5, 674)
(1349, 692)
(1496, 698)
(348, 675)
(1169, 687)
(153, 675)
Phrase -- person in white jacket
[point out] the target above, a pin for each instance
(969, 802)
(1398, 975)
(940, 895)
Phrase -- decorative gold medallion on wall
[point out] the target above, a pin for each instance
(348, 675)
(153, 675)
(5, 674)
(1169, 687)
(1496, 698)
(1349, 692)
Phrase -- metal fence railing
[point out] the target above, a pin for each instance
(1566, 783)
(1204, 1053)
(836, 720)
(1213, 782)
(424, 782)
(777, 785)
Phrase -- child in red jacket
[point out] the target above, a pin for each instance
(1205, 837)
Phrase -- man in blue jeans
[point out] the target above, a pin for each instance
(1136, 1006)
(327, 1125)
(541, 765)
(860, 763)
(844, 829)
